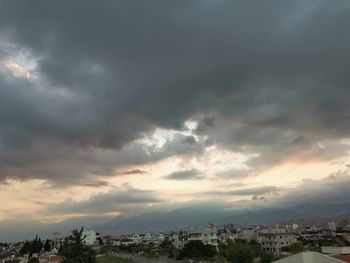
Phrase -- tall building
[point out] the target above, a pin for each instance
(208, 235)
(56, 240)
(273, 240)
(90, 237)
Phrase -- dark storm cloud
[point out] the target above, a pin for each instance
(270, 77)
(135, 171)
(185, 175)
(330, 190)
(96, 184)
(67, 164)
(255, 191)
(128, 201)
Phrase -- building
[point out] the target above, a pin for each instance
(56, 240)
(273, 240)
(90, 237)
(292, 226)
(155, 238)
(208, 235)
(248, 234)
(224, 235)
(136, 238)
(178, 238)
(50, 259)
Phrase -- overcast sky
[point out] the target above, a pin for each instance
(114, 108)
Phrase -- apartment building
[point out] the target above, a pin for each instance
(273, 240)
(207, 235)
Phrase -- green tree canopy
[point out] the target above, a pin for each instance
(197, 250)
(47, 246)
(239, 253)
(75, 250)
(31, 247)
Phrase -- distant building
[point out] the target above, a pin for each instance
(273, 240)
(90, 237)
(248, 234)
(230, 227)
(292, 226)
(208, 235)
(178, 238)
(136, 239)
(56, 240)
(155, 238)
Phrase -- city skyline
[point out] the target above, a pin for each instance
(125, 108)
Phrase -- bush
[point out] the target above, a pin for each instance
(197, 250)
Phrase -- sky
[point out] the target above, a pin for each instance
(119, 108)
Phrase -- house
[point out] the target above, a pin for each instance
(50, 259)
(90, 237)
(208, 235)
(155, 238)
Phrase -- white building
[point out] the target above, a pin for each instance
(90, 237)
(178, 239)
(155, 238)
(208, 235)
(136, 239)
(273, 240)
(292, 226)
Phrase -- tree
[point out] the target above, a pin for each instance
(267, 258)
(33, 260)
(198, 250)
(32, 247)
(297, 247)
(294, 248)
(75, 250)
(239, 253)
(25, 248)
(47, 246)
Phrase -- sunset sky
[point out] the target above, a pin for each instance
(112, 108)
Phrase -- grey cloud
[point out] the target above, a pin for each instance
(128, 201)
(185, 175)
(234, 173)
(96, 184)
(255, 191)
(330, 190)
(135, 171)
(256, 197)
(67, 164)
(267, 75)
